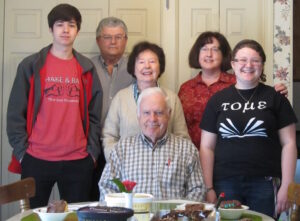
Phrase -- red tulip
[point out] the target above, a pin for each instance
(129, 185)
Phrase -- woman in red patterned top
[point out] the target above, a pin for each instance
(212, 54)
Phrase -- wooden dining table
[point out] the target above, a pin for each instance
(163, 205)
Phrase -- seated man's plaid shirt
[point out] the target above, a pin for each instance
(168, 170)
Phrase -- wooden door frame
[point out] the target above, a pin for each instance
(1, 77)
(2, 9)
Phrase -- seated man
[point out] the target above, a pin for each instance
(162, 164)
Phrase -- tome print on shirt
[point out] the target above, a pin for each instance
(253, 128)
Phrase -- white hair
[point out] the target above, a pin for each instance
(149, 92)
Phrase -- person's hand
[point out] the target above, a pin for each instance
(281, 88)
(211, 196)
(282, 203)
(95, 161)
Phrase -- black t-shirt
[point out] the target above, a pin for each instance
(247, 132)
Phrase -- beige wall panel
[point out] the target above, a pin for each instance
(86, 40)
(92, 11)
(143, 19)
(201, 20)
(237, 21)
(26, 23)
(195, 17)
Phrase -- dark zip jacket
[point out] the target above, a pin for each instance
(25, 100)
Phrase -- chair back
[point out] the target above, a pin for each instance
(294, 199)
(21, 190)
(294, 193)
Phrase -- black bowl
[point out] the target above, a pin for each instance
(104, 213)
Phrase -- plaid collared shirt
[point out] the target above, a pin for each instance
(170, 169)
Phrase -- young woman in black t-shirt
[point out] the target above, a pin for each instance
(248, 146)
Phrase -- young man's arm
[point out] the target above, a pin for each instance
(94, 110)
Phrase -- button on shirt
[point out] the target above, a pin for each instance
(170, 169)
(111, 83)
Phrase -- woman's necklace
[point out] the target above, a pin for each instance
(246, 100)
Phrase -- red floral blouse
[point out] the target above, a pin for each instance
(194, 95)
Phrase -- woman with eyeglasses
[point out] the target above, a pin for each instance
(248, 145)
(146, 63)
(212, 54)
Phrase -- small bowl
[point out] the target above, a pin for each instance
(141, 201)
(232, 213)
(44, 216)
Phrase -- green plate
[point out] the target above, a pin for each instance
(246, 215)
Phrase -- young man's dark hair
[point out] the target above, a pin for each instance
(64, 12)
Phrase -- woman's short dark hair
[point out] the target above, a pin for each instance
(249, 43)
(207, 38)
(141, 47)
(64, 12)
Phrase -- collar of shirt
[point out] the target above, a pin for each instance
(222, 78)
(104, 65)
(159, 142)
(136, 92)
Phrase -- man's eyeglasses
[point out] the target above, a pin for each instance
(244, 61)
(109, 38)
(213, 49)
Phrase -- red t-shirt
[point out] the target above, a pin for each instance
(58, 131)
(194, 95)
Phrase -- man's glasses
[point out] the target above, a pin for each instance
(244, 61)
(109, 38)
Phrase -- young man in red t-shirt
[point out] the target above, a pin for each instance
(53, 116)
